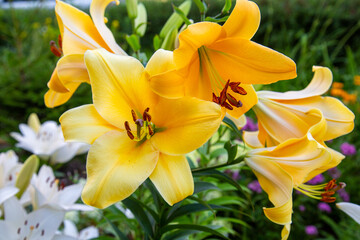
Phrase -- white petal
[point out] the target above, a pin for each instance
(89, 233)
(70, 229)
(351, 209)
(69, 195)
(7, 192)
(13, 211)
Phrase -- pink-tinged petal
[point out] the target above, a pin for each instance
(254, 63)
(97, 11)
(184, 124)
(319, 85)
(243, 21)
(172, 177)
(116, 166)
(116, 90)
(84, 124)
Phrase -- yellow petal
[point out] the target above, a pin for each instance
(251, 139)
(254, 63)
(248, 101)
(163, 77)
(319, 85)
(71, 68)
(55, 83)
(280, 215)
(54, 99)
(97, 11)
(285, 232)
(116, 90)
(116, 166)
(80, 33)
(195, 36)
(172, 177)
(272, 178)
(187, 124)
(243, 21)
(84, 124)
(239, 122)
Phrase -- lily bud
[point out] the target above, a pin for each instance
(169, 41)
(131, 7)
(34, 122)
(140, 20)
(28, 169)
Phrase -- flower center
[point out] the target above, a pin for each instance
(217, 83)
(57, 51)
(145, 129)
(323, 192)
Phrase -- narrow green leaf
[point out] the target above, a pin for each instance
(139, 214)
(117, 231)
(232, 126)
(193, 227)
(180, 234)
(181, 14)
(156, 42)
(216, 20)
(226, 7)
(203, 186)
(134, 42)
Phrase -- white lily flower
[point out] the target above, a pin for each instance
(39, 224)
(351, 209)
(70, 232)
(46, 191)
(47, 141)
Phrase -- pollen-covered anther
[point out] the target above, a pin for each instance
(144, 127)
(225, 99)
(146, 115)
(55, 49)
(236, 88)
(233, 101)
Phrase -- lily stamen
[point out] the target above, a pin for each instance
(55, 49)
(144, 127)
(226, 99)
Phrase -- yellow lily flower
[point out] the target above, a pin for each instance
(135, 134)
(220, 63)
(289, 165)
(282, 116)
(78, 33)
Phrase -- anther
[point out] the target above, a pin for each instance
(54, 49)
(62, 185)
(42, 232)
(133, 115)
(151, 131)
(233, 100)
(146, 115)
(215, 99)
(26, 222)
(37, 225)
(131, 136)
(228, 106)
(236, 88)
(127, 126)
(60, 41)
(19, 230)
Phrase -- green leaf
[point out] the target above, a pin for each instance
(134, 42)
(180, 234)
(139, 213)
(231, 150)
(201, 6)
(218, 152)
(216, 20)
(193, 227)
(175, 20)
(226, 7)
(203, 186)
(169, 41)
(232, 126)
(235, 220)
(181, 14)
(118, 233)
(156, 42)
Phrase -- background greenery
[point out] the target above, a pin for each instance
(312, 32)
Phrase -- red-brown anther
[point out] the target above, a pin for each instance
(131, 136)
(62, 185)
(151, 131)
(127, 126)
(215, 99)
(236, 88)
(331, 185)
(54, 49)
(228, 106)
(146, 115)
(60, 41)
(233, 100)
(222, 97)
(328, 199)
(133, 114)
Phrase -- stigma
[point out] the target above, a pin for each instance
(226, 99)
(323, 192)
(145, 129)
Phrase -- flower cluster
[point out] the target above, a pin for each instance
(144, 119)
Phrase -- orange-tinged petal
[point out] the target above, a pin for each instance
(79, 29)
(186, 123)
(116, 166)
(285, 232)
(280, 215)
(97, 11)
(55, 84)
(54, 99)
(239, 122)
(116, 90)
(195, 36)
(243, 21)
(84, 124)
(250, 62)
(71, 68)
(248, 101)
(319, 85)
(172, 177)
(163, 77)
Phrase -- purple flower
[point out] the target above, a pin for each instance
(234, 174)
(348, 149)
(250, 125)
(302, 208)
(311, 230)
(255, 186)
(344, 195)
(334, 172)
(324, 207)
(317, 179)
